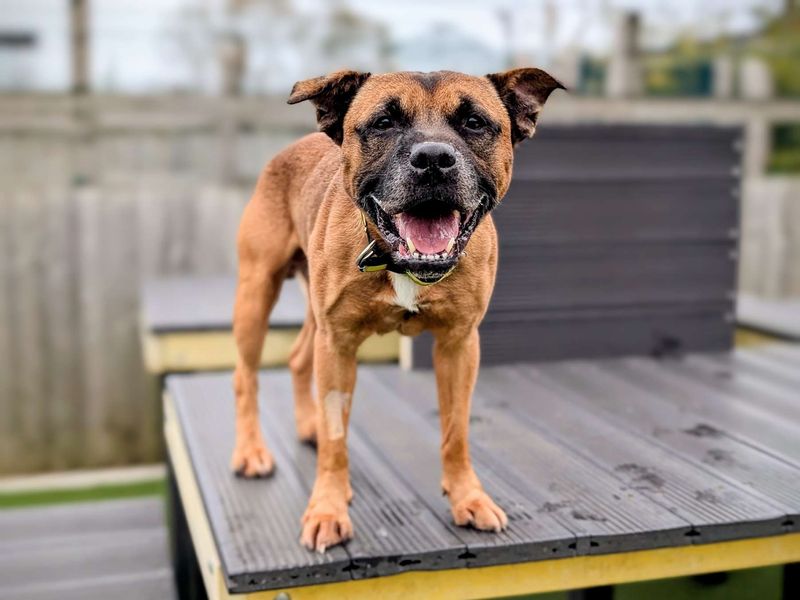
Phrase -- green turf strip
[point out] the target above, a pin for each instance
(155, 487)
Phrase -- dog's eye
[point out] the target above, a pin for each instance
(383, 123)
(475, 123)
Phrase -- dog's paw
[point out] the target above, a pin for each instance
(307, 430)
(252, 460)
(325, 524)
(476, 508)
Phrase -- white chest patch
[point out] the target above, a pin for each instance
(405, 292)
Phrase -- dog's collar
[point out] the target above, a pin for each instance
(372, 258)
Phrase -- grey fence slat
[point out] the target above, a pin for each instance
(28, 327)
(536, 277)
(607, 152)
(558, 212)
(61, 317)
(8, 400)
(554, 480)
(716, 509)
(646, 414)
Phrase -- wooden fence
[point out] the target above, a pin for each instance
(85, 217)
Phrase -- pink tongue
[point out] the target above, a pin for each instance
(430, 235)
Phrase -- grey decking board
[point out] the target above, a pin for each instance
(716, 510)
(645, 414)
(767, 392)
(558, 483)
(719, 410)
(534, 276)
(579, 212)
(761, 364)
(421, 468)
(788, 354)
(606, 152)
(43, 522)
(206, 304)
(540, 457)
(390, 518)
(241, 511)
(430, 541)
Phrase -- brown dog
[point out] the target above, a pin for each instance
(395, 198)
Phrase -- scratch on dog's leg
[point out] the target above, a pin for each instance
(335, 405)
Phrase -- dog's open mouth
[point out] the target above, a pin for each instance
(428, 232)
(428, 238)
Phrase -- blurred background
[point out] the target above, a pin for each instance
(132, 131)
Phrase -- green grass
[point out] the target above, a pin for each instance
(748, 584)
(156, 487)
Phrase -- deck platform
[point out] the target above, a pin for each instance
(611, 470)
(778, 318)
(186, 326)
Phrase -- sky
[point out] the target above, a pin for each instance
(133, 50)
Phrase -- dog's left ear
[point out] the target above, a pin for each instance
(524, 92)
(331, 95)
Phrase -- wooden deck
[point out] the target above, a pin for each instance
(86, 551)
(610, 470)
(779, 318)
(186, 326)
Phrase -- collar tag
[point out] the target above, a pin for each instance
(368, 260)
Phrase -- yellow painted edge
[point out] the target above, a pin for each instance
(748, 338)
(212, 350)
(504, 580)
(199, 527)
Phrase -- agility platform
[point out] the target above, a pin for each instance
(611, 470)
(186, 325)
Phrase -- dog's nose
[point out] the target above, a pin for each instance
(432, 156)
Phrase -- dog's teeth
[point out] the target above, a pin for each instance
(411, 247)
(450, 245)
(456, 213)
(417, 254)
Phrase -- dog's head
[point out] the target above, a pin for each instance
(427, 155)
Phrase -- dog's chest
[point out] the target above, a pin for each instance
(406, 292)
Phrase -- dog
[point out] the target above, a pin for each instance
(384, 215)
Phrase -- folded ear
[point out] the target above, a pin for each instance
(524, 92)
(331, 95)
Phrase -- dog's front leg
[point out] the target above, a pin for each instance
(455, 357)
(326, 522)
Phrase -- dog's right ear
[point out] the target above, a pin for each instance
(331, 95)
